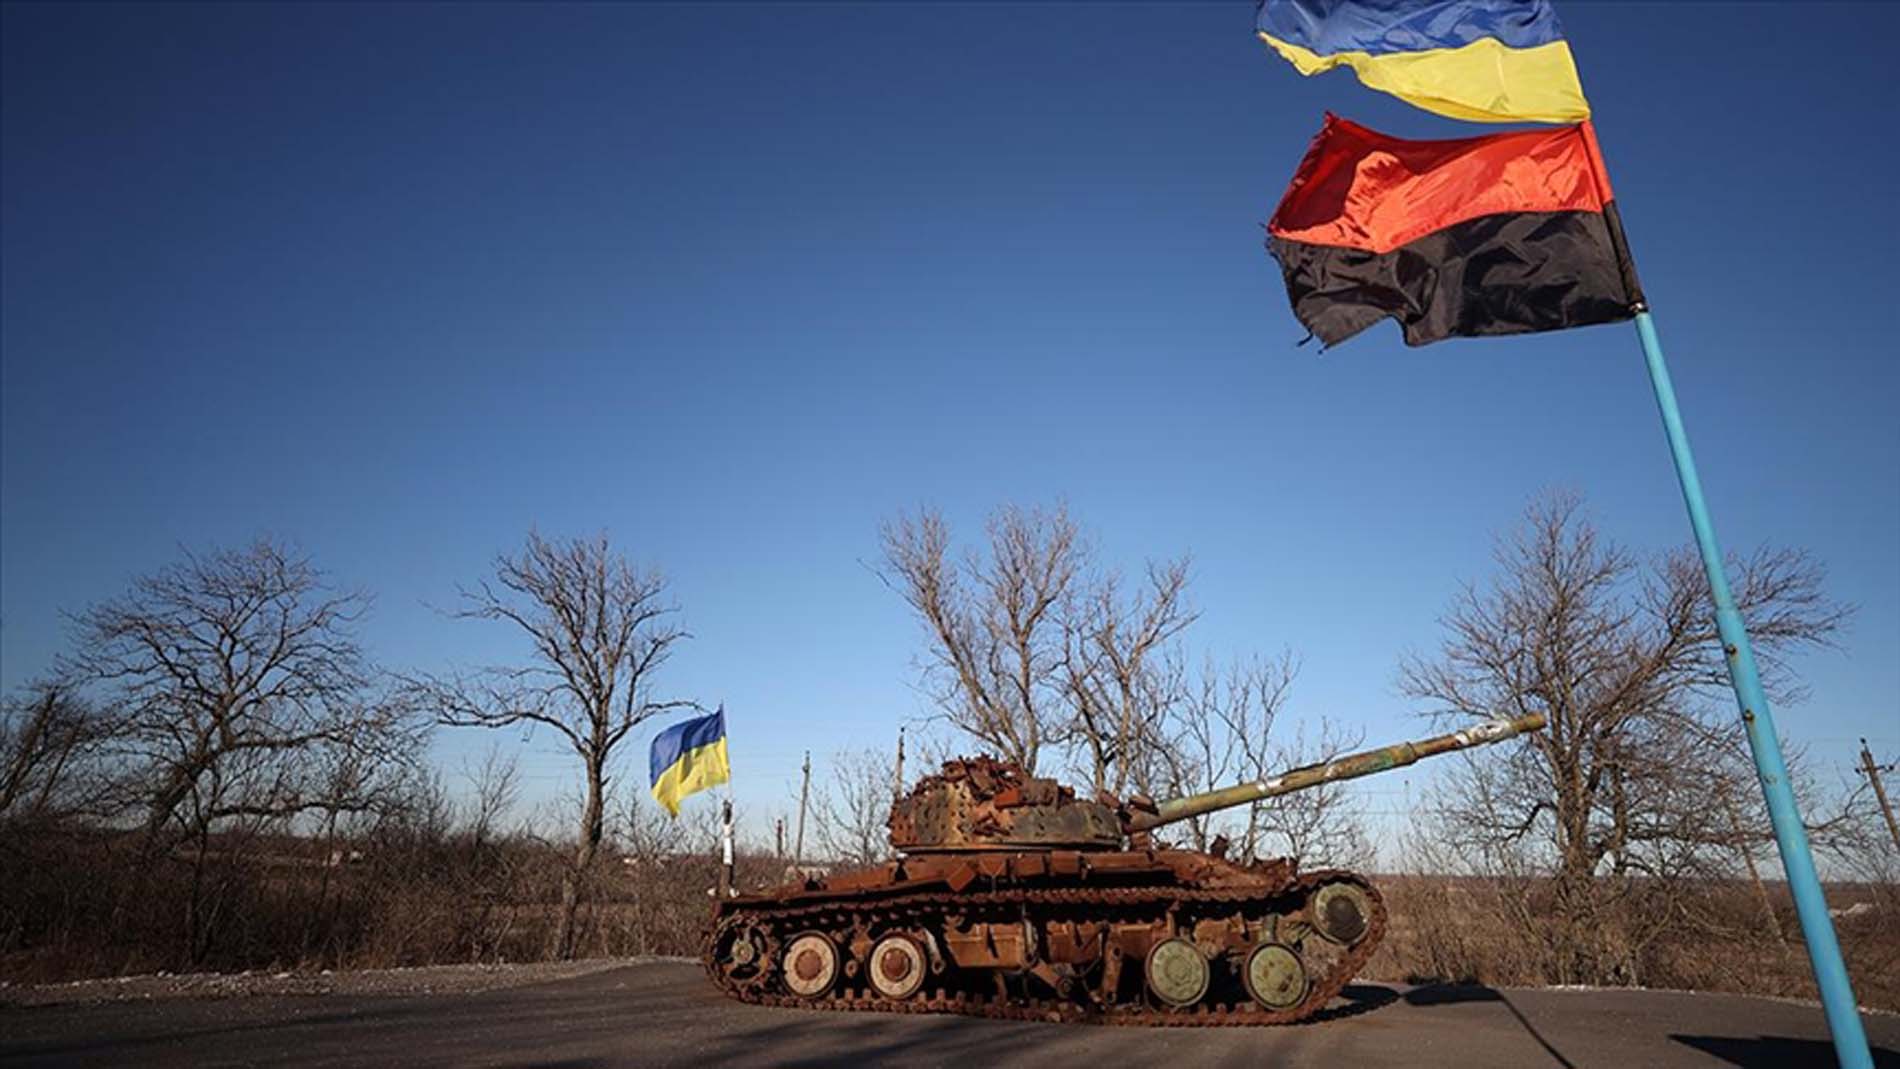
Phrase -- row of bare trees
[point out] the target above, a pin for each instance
(1036, 649)
(227, 697)
(227, 686)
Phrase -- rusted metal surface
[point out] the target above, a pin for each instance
(1351, 766)
(1143, 917)
(1015, 898)
(980, 803)
(1066, 934)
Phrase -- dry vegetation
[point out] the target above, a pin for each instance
(1457, 930)
(419, 887)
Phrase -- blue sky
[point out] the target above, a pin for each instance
(735, 283)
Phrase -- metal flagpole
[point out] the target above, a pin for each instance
(1791, 838)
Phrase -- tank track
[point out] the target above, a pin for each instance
(922, 909)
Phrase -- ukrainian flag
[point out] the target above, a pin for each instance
(688, 757)
(1484, 60)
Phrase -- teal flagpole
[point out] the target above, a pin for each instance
(1791, 837)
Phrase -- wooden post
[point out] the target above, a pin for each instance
(1880, 793)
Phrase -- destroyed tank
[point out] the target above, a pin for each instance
(1013, 897)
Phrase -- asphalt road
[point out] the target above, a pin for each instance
(667, 1014)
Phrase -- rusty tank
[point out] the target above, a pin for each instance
(1011, 896)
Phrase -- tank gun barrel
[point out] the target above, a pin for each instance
(1350, 766)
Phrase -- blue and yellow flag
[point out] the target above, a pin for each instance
(1484, 60)
(688, 757)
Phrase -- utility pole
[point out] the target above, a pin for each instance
(897, 785)
(1880, 793)
(778, 851)
(804, 792)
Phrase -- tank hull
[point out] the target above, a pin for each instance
(1141, 937)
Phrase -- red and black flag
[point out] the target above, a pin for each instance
(1502, 234)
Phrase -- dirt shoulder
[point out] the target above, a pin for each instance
(422, 980)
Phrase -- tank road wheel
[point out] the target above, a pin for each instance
(1275, 976)
(898, 967)
(811, 965)
(744, 955)
(1341, 912)
(1177, 972)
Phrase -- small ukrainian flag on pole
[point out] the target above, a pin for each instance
(689, 757)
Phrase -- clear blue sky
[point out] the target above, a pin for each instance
(734, 283)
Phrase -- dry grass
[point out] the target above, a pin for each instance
(1456, 930)
(75, 905)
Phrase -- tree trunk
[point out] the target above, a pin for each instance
(592, 829)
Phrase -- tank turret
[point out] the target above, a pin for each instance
(1013, 896)
(980, 803)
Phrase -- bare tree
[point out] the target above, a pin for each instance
(648, 834)
(852, 805)
(1322, 824)
(599, 629)
(1634, 774)
(494, 787)
(1228, 730)
(50, 742)
(1121, 685)
(1034, 644)
(1031, 644)
(237, 680)
(995, 643)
